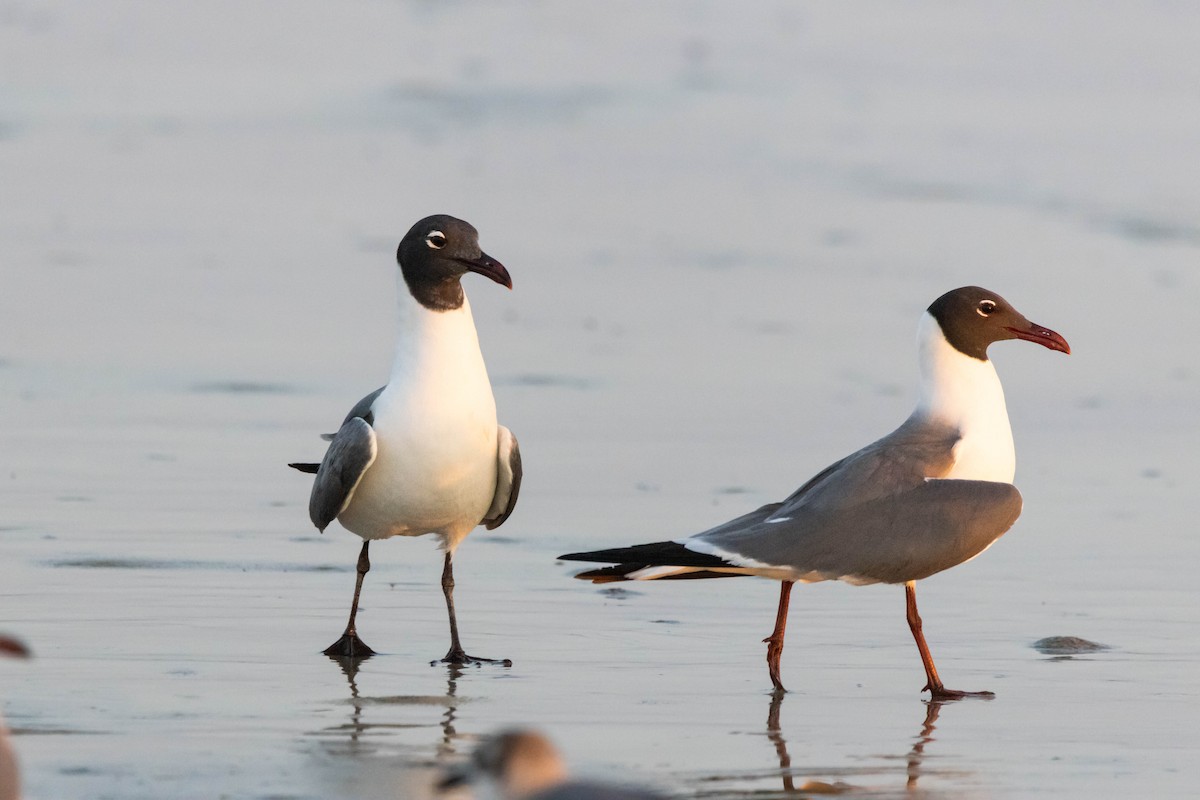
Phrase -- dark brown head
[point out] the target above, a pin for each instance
(436, 253)
(971, 318)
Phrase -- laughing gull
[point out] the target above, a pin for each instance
(423, 454)
(932, 494)
(524, 765)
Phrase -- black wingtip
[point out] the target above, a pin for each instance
(621, 572)
(311, 469)
(658, 554)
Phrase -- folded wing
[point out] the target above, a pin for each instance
(351, 452)
(879, 515)
(508, 479)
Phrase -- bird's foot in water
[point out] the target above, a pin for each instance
(941, 694)
(457, 657)
(349, 646)
(774, 652)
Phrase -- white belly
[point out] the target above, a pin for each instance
(435, 434)
(438, 476)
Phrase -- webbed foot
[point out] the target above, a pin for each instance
(941, 694)
(458, 657)
(349, 646)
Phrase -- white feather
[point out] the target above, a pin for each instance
(739, 564)
(965, 392)
(436, 433)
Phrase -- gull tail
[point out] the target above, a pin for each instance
(311, 469)
(658, 561)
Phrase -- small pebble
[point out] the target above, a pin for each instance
(1066, 646)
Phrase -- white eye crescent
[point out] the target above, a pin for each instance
(985, 308)
(436, 240)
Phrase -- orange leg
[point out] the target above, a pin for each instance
(775, 640)
(933, 683)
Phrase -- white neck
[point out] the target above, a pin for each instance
(965, 393)
(433, 342)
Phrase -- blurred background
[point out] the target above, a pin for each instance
(722, 221)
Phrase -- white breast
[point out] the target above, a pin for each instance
(965, 392)
(435, 427)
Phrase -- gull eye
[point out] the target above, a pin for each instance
(985, 308)
(436, 240)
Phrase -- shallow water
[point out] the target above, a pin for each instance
(722, 223)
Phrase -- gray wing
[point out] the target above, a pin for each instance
(363, 408)
(508, 479)
(350, 453)
(901, 537)
(878, 515)
(741, 523)
(900, 461)
(905, 458)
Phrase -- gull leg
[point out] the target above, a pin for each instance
(350, 646)
(775, 640)
(456, 654)
(933, 683)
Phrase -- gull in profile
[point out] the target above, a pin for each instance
(934, 493)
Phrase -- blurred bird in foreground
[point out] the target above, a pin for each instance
(525, 765)
(10, 779)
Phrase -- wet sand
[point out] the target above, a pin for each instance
(722, 224)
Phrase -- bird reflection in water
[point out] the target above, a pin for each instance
(447, 742)
(349, 667)
(775, 734)
(914, 758)
(447, 746)
(917, 754)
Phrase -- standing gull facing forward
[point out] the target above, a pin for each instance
(424, 453)
(932, 494)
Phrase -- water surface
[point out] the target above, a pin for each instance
(722, 222)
